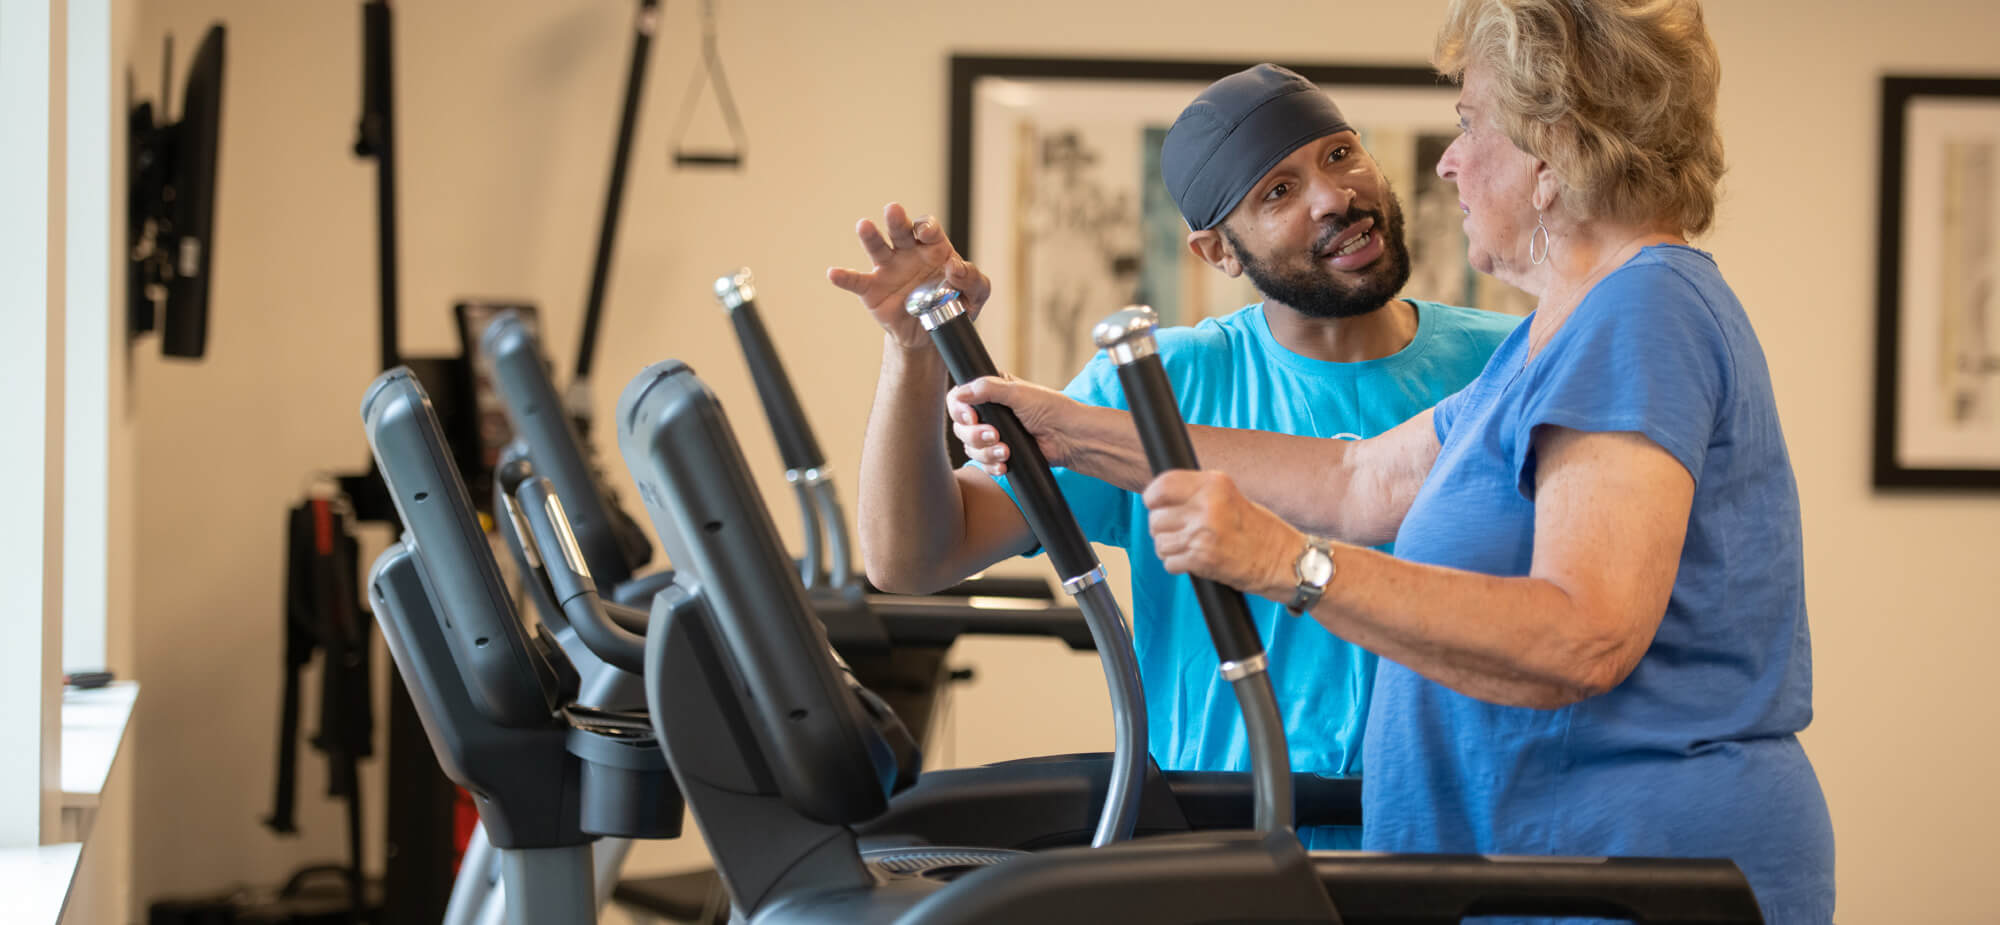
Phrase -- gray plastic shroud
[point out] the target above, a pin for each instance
(510, 679)
(765, 849)
(818, 746)
(522, 778)
(539, 782)
(542, 426)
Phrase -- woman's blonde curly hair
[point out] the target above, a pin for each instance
(1618, 96)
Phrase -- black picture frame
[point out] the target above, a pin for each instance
(1890, 471)
(1108, 237)
(967, 70)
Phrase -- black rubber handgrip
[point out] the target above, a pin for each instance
(796, 444)
(1035, 488)
(1164, 435)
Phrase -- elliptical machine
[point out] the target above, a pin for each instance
(781, 827)
(497, 698)
(780, 767)
(895, 644)
(981, 806)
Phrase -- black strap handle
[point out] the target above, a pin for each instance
(299, 645)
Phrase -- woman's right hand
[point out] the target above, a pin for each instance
(907, 254)
(1042, 411)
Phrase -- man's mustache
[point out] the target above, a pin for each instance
(1337, 224)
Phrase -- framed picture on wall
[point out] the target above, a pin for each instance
(1056, 194)
(1937, 369)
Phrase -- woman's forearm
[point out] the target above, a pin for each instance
(1513, 641)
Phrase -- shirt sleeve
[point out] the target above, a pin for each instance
(1445, 411)
(1643, 353)
(1099, 507)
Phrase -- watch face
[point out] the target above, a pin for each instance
(1315, 566)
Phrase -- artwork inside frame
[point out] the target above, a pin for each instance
(1937, 370)
(1055, 193)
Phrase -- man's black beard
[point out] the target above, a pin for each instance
(1314, 291)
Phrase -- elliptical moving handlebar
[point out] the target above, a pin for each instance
(575, 592)
(557, 450)
(826, 554)
(942, 312)
(1128, 336)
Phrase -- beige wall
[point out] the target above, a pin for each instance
(104, 887)
(507, 111)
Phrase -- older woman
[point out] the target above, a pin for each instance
(1594, 627)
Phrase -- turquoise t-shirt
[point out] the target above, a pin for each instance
(1231, 372)
(1695, 754)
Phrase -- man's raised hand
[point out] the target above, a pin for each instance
(907, 254)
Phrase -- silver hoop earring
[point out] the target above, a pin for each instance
(1542, 231)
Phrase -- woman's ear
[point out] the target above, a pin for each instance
(1547, 186)
(1208, 244)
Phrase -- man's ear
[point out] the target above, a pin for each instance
(1214, 250)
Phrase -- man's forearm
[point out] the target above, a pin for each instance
(1305, 480)
(911, 513)
(1302, 479)
(1104, 444)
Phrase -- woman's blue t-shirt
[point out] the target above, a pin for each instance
(1694, 754)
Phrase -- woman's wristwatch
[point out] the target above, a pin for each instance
(1314, 568)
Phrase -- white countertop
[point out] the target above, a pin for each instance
(36, 881)
(93, 727)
